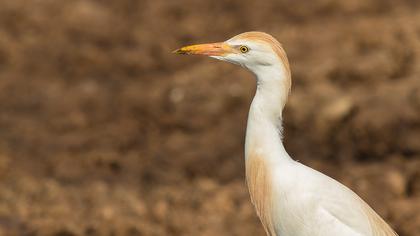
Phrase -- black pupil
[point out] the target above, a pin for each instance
(244, 49)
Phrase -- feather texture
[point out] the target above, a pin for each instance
(260, 189)
(378, 226)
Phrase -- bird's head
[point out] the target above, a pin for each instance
(252, 50)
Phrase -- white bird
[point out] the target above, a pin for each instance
(290, 198)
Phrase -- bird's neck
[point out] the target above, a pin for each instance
(264, 129)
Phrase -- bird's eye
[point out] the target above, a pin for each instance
(243, 49)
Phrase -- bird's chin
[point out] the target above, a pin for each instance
(219, 58)
(222, 58)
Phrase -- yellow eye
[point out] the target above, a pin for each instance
(244, 49)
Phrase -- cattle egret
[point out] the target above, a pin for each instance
(290, 198)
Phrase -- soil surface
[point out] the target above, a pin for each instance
(104, 132)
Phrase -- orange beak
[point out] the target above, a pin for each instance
(209, 49)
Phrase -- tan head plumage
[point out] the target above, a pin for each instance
(270, 40)
(275, 45)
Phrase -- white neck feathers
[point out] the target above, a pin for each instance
(264, 128)
(263, 145)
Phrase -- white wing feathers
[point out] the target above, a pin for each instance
(348, 208)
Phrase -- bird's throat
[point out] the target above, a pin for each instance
(264, 128)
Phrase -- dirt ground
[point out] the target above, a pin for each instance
(104, 132)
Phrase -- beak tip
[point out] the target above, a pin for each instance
(179, 51)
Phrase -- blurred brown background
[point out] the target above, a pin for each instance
(104, 132)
